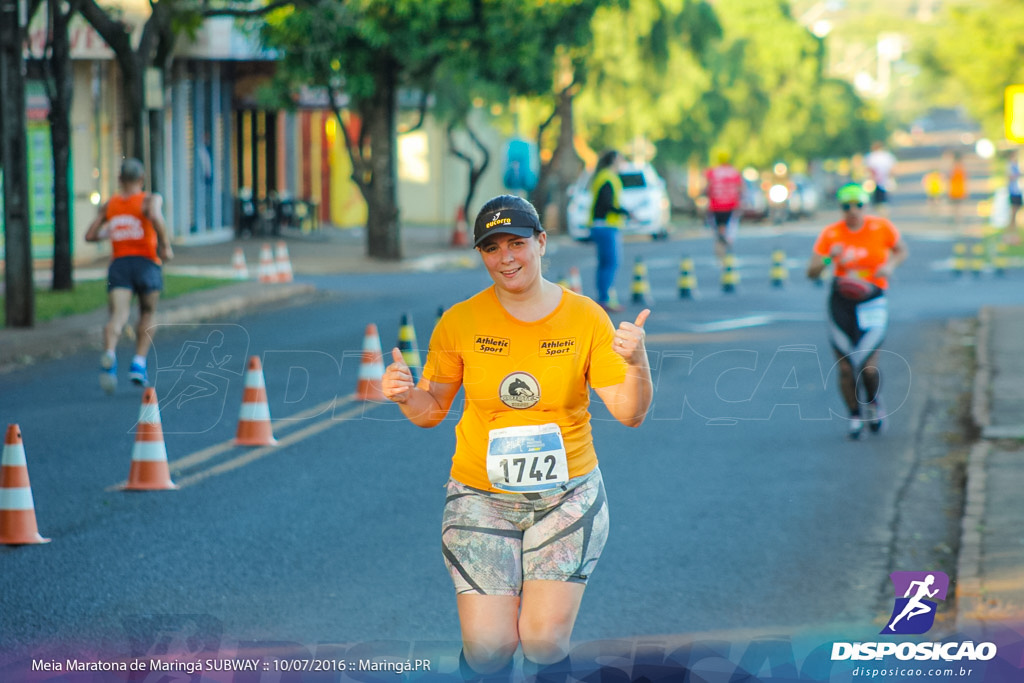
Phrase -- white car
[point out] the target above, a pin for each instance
(643, 194)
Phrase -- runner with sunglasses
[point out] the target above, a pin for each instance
(863, 251)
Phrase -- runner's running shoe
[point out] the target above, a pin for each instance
(108, 373)
(876, 419)
(137, 374)
(855, 427)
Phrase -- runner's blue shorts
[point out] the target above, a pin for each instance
(136, 273)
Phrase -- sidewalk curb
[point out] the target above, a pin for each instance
(980, 402)
(969, 590)
(969, 598)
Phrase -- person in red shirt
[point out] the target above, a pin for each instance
(864, 251)
(133, 221)
(724, 189)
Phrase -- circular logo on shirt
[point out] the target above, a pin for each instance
(519, 390)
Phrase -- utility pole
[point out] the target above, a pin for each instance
(20, 292)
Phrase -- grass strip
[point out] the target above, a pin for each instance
(91, 295)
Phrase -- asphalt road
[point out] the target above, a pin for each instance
(738, 507)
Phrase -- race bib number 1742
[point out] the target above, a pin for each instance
(527, 459)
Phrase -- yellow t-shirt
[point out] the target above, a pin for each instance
(517, 373)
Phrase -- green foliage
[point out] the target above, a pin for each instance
(351, 44)
(691, 76)
(646, 75)
(972, 53)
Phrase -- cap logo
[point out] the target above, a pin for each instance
(497, 221)
(514, 221)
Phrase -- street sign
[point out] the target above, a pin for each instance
(1014, 113)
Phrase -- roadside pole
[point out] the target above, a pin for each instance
(20, 293)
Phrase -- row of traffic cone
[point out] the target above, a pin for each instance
(687, 282)
(980, 258)
(149, 469)
(275, 264)
(148, 472)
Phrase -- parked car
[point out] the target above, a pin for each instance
(753, 202)
(806, 196)
(644, 195)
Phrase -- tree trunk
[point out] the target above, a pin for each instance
(567, 165)
(20, 292)
(473, 171)
(383, 239)
(134, 103)
(61, 92)
(558, 174)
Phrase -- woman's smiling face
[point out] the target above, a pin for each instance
(513, 262)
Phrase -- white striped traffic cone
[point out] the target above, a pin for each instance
(149, 471)
(371, 367)
(268, 268)
(239, 265)
(17, 509)
(283, 262)
(254, 428)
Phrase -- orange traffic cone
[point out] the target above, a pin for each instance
(284, 263)
(460, 236)
(268, 269)
(254, 427)
(17, 510)
(371, 368)
(238, 264)
(149, 471)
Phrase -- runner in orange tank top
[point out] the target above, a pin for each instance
(133, 221)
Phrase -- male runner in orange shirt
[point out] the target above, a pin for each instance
(133, 221)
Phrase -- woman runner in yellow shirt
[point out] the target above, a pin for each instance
(526, 516)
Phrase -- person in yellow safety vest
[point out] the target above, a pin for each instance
(934, 186)
(606, 218)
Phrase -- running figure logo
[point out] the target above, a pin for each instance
(914, 612)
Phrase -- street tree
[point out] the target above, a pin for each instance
(457, 94)
(362, 53)
(647, 77)
(532, 65)
(974, 52)
(19, 302)
(59, 83)
(773, 74)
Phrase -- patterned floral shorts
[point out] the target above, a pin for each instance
(492, 542)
